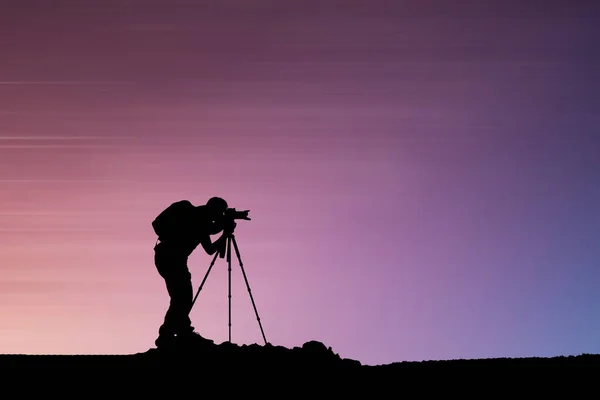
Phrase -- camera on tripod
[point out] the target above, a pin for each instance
(229, 224)
(227, 242)
(229, 217)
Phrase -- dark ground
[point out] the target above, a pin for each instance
(260, 369)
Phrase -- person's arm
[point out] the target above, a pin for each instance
(211, 247)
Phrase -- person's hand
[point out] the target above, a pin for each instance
(220, 245)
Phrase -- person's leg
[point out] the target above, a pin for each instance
(182, 296)
(179, 287)
(173, 269)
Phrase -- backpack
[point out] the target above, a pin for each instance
(172, 221)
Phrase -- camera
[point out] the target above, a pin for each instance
(232, 214)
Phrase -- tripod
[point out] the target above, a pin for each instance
(231, 240)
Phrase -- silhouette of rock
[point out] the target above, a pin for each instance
(313, 354)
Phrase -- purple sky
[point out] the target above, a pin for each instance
(422, 176)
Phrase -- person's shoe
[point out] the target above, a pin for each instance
(165, 341)
(193, 339)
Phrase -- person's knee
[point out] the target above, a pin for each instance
(182, 294)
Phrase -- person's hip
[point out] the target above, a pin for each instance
(171, 260)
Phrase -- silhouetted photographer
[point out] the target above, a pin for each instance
(181, 227)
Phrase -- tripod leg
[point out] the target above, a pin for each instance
(229, 281)
(237, 252)
(204, 280)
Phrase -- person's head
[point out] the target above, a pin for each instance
(216, 206)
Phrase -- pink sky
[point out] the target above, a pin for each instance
(422, 179)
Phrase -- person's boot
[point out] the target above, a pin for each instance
(165, 341)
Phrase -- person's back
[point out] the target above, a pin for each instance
(183, 226)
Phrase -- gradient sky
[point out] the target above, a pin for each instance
(423, 177)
